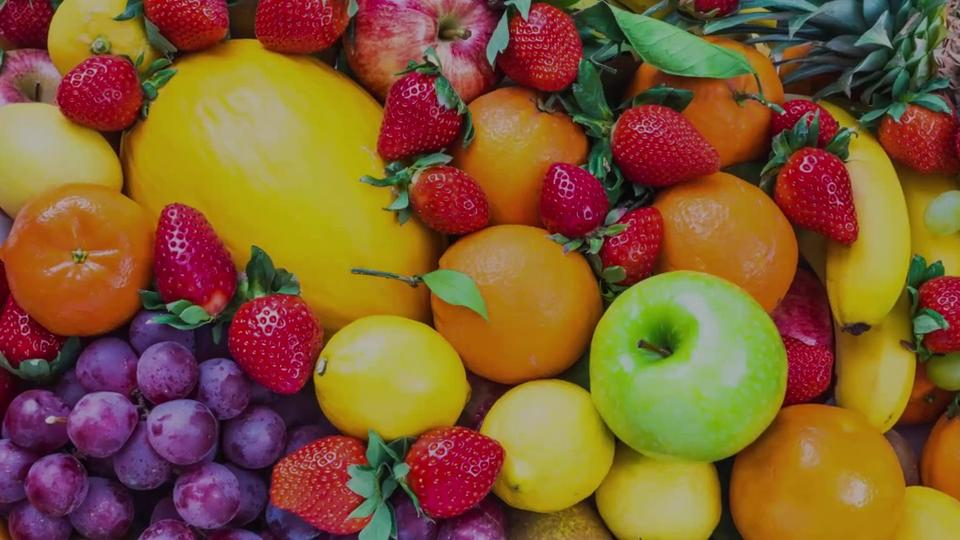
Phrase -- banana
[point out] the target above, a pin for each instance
(919, 189)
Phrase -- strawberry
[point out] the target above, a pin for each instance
(449, 200)
(573, 202)
(921, 139)
(635, 249)
(190, 25)
(656, 146)
(312, 483)
(813, 190)
(423, 114)
(543, 51)
(190, 261)
(708, 9)
(942, 296)
(22, 338)
(795, 109)
(809, 371)
(25, 23)
(452, 469)
(102, 92)
(276, 340)
(300, 26)
(956, 141)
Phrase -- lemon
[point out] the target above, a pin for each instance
(557, 447)
(81, 28)
(41, 149)
(928, 515)
(392, 375)
(658, 499)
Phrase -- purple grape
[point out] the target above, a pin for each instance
(69, 389)
(255, 439)
(164, 509)
(412, 525)
(56, 484)
(28, 523)
(108, 365)
(182, 431)
(483, 522)
(305, 435)
(287, 525)
(137, 465)
(223, 388)
(26, 422)
(14, 464)
(208, 497)
(167, 371)
(253, 496)
(233, 534)
(106, 513)
(298, 409)
(5, 509)
(168, 529)
(101, 423)
(144, 332)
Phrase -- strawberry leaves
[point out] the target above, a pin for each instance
(376, 482)
(804, 134)
(40, 371)
(400, 176)
(451, 286)
(501, 34)
(925, 320)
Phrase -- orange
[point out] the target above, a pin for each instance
(926, 400)
(722, 225)
(542, 304)
(739, 128)
(77, 257)
(817, 473)
(516, 143)
(940, 459)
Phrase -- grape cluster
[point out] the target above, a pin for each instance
(142, 428)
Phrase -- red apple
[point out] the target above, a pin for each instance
(388, 34)
(28, 75)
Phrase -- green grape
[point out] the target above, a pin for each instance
(943, 213)
(944, 371)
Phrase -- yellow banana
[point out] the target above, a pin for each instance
(865, 280)
(919, 189)
(874, 371)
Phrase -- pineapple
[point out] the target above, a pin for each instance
(948, 55)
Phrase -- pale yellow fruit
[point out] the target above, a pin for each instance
(395, 376)
(920, 189)
(41, 149)
(579, 522)
(557, 447)
(928, 515)
(656, 499)
(81, 28)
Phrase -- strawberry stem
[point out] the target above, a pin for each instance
(412, 281)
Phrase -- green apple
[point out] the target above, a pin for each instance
(687, 365)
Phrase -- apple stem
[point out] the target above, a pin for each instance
(36, 91)
(656, 349)
(450, 34)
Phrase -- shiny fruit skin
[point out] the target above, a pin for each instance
(515, 144)
(940, 459)
(544, 49)
(264, 190)
(449, 201)
(77, 257)
(572, 201)
(644, 497)
(722, 225)
(921, 139)
(942, 294)
(78, 23)
(927, 402)
(542, 304)
(818, 473)
(29, 132)
(739, 132)
(920, 190)
(102, 92)
(637, 247)
(414, 120)
(25, 23)
(190, 25)
(796, 109)
(22, 338)
(813, 190)
(810, 370)
(395, 376)
(300, 27)
(928, 515)
(558, 450)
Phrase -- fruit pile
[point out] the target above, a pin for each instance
(479, 269)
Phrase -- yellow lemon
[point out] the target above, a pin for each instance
(928, 515)
(41, 149)
(657, 499)
(81, 28)
(392, 375)
(557, 447)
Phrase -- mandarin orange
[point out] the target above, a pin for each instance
(940, 459)
(926, 402)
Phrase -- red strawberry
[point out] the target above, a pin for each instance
(25, 22)
(636, 248)
(276, 339)
(22, 338)
(656, 146)
(449, 200)
(942, 294)
(543, 51)
(312, 483)
(414, 119)
(714, 8)
(795, 109)
(300, 26)
(190, 25)
(572, 202)
(190, 261)
(922, 140)
(809, 370)
(452, 469)
(103, 92)
(813, 190)
(956, 141)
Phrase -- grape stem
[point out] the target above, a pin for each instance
(55, 420)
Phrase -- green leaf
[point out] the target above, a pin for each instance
(376, 453)
(613, 274)
(878, 34)
(362, 481)
(430, 160)
(446, 95)
(365, 508)
(400, 447)
(589, 95)
(593, 245)
(522, 6)
(457, 289)
(599, 18)
(1, 50)
(499, 39)
(195, 315)
(40, 371)
(352, 8)
(381, 525)
(157, 40)
(151, 300)
(928, 321)
(134, 9)
(469, 133)
(400, 470)
(933, 102)
(401, 202)
(573, 245)
(935, 270)
(918, 265)
(388, 488)
(675, 98)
